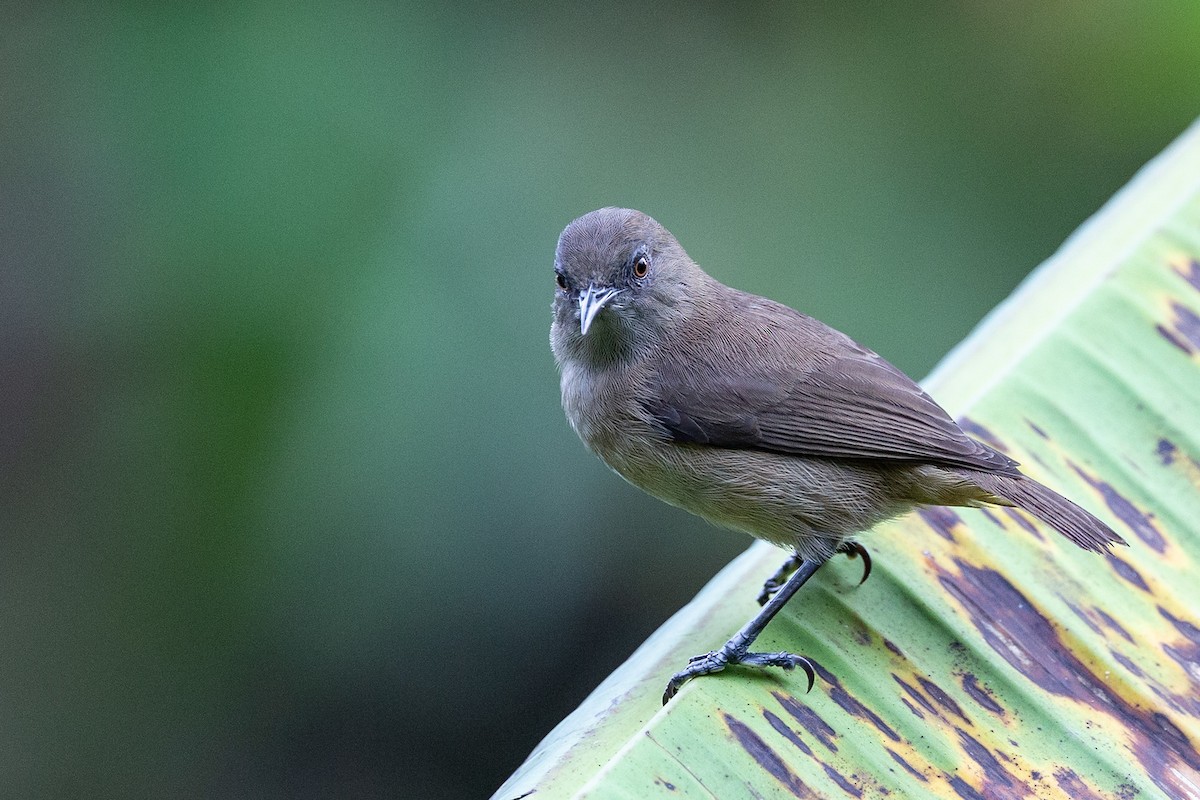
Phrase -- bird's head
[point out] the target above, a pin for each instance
(621, 281)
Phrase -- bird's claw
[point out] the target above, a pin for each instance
(717, 660)
(770, 587)
(773, 583)
(854, 549)
(703, 664)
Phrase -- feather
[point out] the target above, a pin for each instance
(801, 388)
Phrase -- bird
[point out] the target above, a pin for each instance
(756, 417)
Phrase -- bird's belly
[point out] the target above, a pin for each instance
(807, 505)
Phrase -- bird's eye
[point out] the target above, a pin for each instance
(561, 280)
(641, 267)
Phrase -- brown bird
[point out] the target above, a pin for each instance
(757, 417)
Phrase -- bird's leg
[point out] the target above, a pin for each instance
(772, 584)
(736, 650)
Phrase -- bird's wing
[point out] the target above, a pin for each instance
(841, 402)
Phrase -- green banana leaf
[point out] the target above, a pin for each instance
(986, 657)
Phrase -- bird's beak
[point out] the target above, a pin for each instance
(590, 303)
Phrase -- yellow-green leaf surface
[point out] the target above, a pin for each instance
(986, 656)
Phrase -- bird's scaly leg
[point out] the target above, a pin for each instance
(736, 650)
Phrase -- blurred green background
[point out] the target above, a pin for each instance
(289, 507)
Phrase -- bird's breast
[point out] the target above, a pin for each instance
(602, 408)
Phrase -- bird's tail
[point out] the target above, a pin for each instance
(1051, 508)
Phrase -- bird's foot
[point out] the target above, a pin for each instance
(772, 584)
(853, 549)
(717, 660)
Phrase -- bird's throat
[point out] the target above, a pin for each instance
(608, 343)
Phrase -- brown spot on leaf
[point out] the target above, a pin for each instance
(1188, 657)
(1129, 666)
(899, 759)
(912, 708)
(1138, 521)
(998, 782)
(915, 695)
(851, 704)
(963, 789)
(1014, 627)
(1037, 430)
(1170, 336)
(1166, 452)
(767, 758)
(1127, 572)
(1083, 616)
(840, 779)
(941, 698)
(1112, 624)
(1185, 628)
(1073, 786)
(981, 695)
(1190, 272)
(1025, 524)
(1186, 325)
(941, 519)
(782, 728)
(809, 720)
